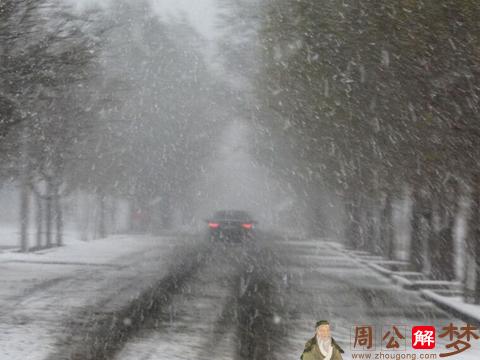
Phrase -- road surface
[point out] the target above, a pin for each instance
(257, 301)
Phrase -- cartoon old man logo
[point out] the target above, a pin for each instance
(322, 346)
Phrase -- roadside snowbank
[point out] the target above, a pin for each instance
(39, 291)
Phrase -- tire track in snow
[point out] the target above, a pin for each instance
(96, 334)
(233, 309)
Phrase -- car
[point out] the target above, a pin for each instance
(231, 225)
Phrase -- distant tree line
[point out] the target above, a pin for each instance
(46, 56)
(104, 103)
(372, 100)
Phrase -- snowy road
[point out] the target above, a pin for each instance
(186, 299)
(260, 302)
(43, 292)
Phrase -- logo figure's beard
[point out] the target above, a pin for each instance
(324, 343)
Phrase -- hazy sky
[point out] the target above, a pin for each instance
(201, 14)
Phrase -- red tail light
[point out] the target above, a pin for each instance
(213, 225)
(247, 226)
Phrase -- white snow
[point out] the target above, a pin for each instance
(8, 236)
(455, 302)
(39, 291)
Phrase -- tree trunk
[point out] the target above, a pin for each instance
(477, 257)
(444, 268)
(472, 263)
(102, 226)
(24, 214)
(417, 235)
(57, 200)
(166, 211)
(349, 237)
(353, 230)
(113, 215)
(49, 215)
(39, 220)
(375, 223)
(428, 240)
(131, 215)
(368, 230)
(387, 244)
(358, 239)
(443, 264)
(85, 216)
(24, 191)
(433, 235)
(59, 220)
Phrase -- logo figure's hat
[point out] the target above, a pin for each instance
(321, 322)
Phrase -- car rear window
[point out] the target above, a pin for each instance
(232, 215)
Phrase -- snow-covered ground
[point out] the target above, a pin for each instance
(336, 286)
(457, 303)
(40, 291)
(9, 237)
(445, 294)
(325, 283)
